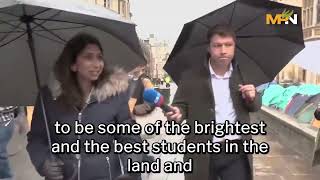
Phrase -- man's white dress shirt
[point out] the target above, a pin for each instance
(224, 109)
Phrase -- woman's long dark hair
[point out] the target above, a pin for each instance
(71, 94)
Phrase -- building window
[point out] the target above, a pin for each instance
(122, 7)
(318, 79)
(317, 32)
(107, 3)
(304, 75)
(307, 18)
(307, 33)
(303, 18)
(318, 12)
(311, 16)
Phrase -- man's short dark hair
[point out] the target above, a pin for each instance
(221, 30)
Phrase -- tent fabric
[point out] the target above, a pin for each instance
(314, 99)
(280, 97)
(299, 102)
(309, 89)
(273, 91)
(296, 103)
(306, 115)
(264, 86)
(287, 95)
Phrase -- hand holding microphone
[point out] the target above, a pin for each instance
(154, 97)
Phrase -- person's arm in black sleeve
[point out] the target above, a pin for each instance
(37, 146)
(45, 163)
(180, 101)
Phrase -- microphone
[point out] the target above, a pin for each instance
(154, 97)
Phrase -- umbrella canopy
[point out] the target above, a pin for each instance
(262, 49)
(38, 30)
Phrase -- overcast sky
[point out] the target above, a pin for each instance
(165, 18)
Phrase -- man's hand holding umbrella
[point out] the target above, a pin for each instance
(248, 92)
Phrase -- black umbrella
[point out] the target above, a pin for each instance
(34, 32)
(262, 49)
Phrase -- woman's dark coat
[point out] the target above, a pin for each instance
(108, 105)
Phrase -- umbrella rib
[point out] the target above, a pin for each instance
(52, 33)
(45, 20)
(245, 25)
(38, 13)
(265, 36)
(257, 36)
(234, 7)
(202, 24)
(56, 29)
(55, 20)
(6, 22)
(8, 14)
(12, 32)
(40, 35)
(14, 26)
(245, 52)
(5, 36)
(9, 21)
(13, 39)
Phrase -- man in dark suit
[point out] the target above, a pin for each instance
(221, 94)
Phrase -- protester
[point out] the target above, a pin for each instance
(138, 83)
(86, 89)
(216, 91)
(139, 108)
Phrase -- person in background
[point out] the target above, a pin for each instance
(138, 82)
(10, 116)
(138, 107)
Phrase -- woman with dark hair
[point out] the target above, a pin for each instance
(83, 88)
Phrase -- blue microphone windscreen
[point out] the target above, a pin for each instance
(151, 96)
